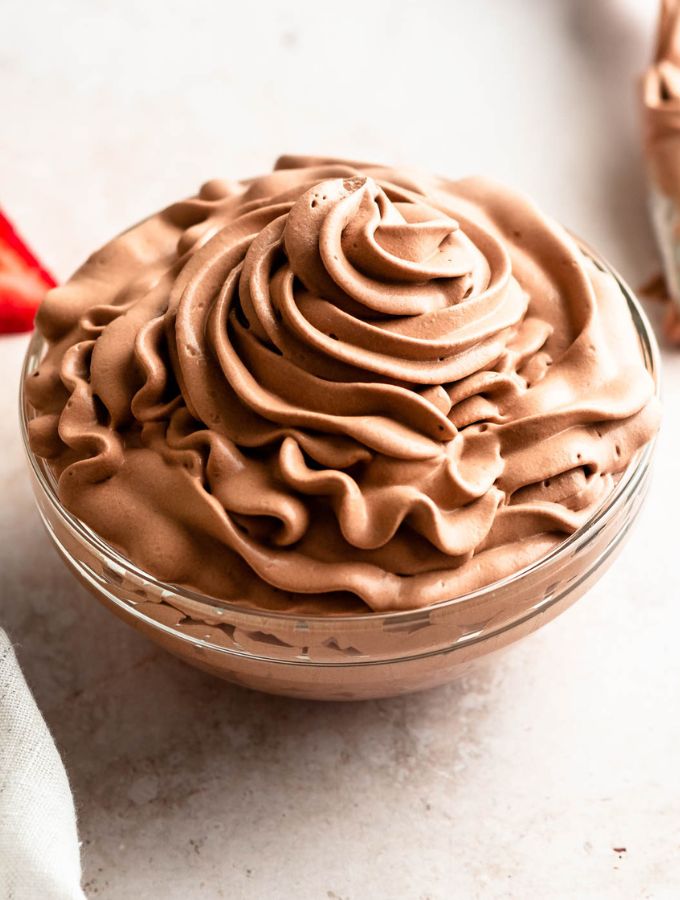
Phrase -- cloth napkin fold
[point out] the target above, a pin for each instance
(39, 851)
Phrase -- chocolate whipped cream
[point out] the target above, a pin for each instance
(661, 104)
(661, 119)
(339, 386)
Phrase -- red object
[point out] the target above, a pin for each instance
(23, 281)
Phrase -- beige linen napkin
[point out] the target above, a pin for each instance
(39, 852)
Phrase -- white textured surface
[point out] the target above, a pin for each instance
(517, 784)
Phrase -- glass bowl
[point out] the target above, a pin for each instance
(348, 657)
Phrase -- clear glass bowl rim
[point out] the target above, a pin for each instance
(627, 484)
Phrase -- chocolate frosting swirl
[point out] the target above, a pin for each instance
(339, 385)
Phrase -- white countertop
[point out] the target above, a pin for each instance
(516, 783)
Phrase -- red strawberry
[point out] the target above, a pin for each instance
(23, 281)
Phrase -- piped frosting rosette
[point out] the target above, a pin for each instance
(339, 386)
